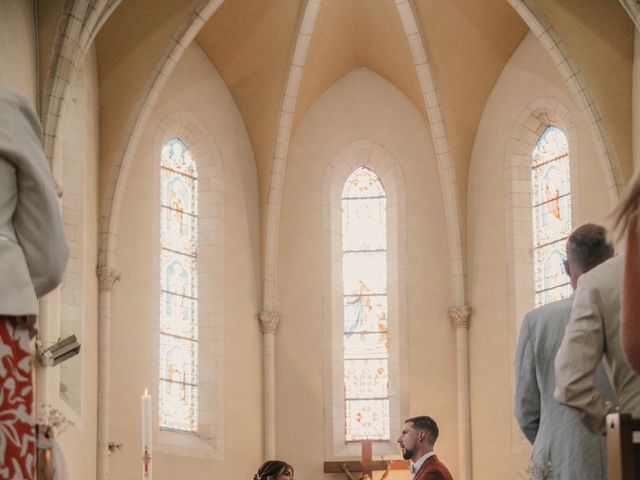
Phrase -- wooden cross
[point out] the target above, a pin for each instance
(366, 465)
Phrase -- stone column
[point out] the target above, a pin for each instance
(107, 277)
(461, 318)
(269, 324)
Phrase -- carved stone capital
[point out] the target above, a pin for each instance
(269, 321)
(460, 316)
(107, 277)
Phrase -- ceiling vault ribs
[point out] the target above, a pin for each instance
(451, 196)
(113, 204)
(79, 23)
(285, 123)
(633, 9)
(451, 200)
(555, 47)
(144, 104)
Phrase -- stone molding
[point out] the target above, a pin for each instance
(460, 316)
(269, 321)
(107, 277)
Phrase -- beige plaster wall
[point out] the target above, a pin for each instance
(361, 105)
(599, 36)
(528, 75)
(79, 442)
(18, 46)
(194, 86)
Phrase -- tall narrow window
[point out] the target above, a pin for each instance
(364, 270)
(551, 199)
(178, 387)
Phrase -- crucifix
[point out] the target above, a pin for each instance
(366, 466)
(146, 460)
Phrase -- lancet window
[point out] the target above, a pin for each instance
(178, 349)
(551, 202)
(365, 307)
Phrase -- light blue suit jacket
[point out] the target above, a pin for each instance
(33, 249)
(556, 432)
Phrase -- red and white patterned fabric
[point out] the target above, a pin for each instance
(17, 431)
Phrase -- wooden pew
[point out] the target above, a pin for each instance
(623, 456)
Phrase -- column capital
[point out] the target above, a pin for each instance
(460, 316)
(107, 277)
(269, 321)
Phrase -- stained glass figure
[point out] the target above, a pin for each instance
(551, 201)
(178, 389)
(364, 273)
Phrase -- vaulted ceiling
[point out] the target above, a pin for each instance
(469, 42)
(250, 43)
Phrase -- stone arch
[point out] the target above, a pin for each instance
(141, 111)
(285, 122)
(80, 22)
(531, 123)
(443, 154)
(363, 153)
(198, 139)
(633, 9)
(555, 47)
(112, 207)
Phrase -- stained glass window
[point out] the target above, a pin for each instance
(178, 392)
(551, 200)
(364, 272)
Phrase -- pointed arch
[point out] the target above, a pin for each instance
(555, 47)
(530, 125)
(140, 113)
(209, 355)
(112, 202)
(285, 122)
(451, 200)
(378, 160)
(633, 9)
(443, 154)
(79, 24)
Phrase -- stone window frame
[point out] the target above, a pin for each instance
(208, 442)
(541, 113)
(364, 153)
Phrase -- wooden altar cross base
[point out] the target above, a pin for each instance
(366, 465)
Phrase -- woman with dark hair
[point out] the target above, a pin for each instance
(274, 470)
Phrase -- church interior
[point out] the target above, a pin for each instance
(220, 161)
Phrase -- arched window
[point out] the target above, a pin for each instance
(178, 383)
(365, 311)
(551, 201)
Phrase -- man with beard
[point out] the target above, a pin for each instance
(419, 434)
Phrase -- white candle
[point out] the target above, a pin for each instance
(146, 435)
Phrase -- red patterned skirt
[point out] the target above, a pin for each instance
(17, 434)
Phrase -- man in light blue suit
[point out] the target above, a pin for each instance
(560, 440)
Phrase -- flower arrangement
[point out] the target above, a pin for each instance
(52, 421)
(539, 471)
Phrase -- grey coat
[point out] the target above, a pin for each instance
(557, 434)
(33, 249)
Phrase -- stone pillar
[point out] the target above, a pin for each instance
(269, 324)
(461, 318)
(107, 277)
